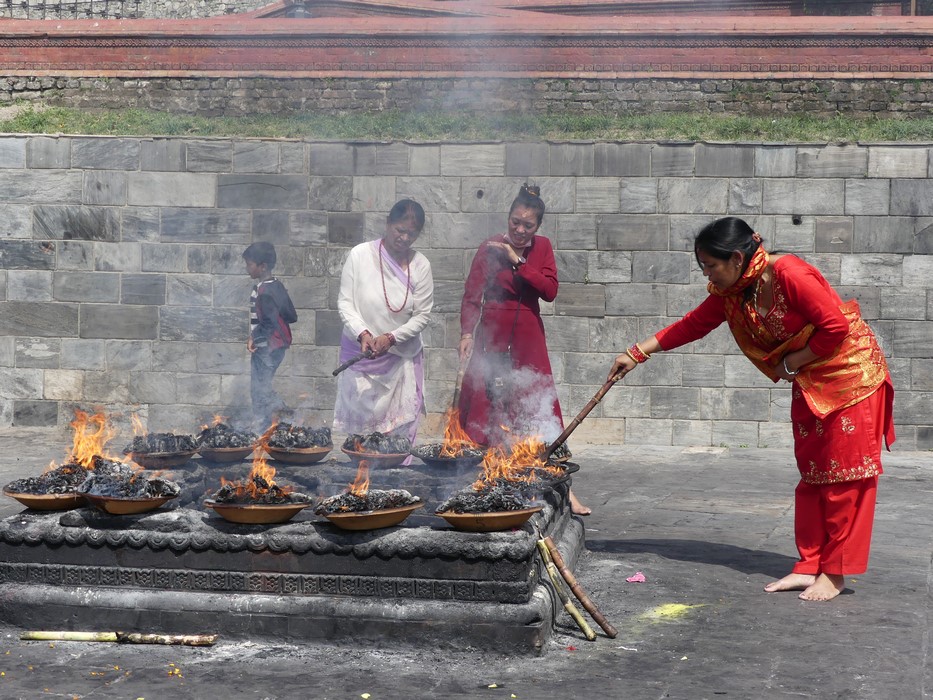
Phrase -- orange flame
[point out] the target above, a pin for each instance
(455, 437)
(249, 489)
(91, 435)
(360, 485)
(218, 419)
(138, 427)
(517, 464)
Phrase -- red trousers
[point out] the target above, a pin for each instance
(832, 526)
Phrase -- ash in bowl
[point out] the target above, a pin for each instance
(161, 443)
(257, 491)
(64, 479)
(373, 500)
(496, 497)
(112, 479)
(222, 436)
(289, 437)
(433, 451)
(378, 443)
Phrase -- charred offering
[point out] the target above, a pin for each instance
(434, 450)
(261, 493)
(119, 480)
(371, 500)
(161, 443)
(64, 479)
(222, 436)
(496, 496)
(378, 443)
(287, 436)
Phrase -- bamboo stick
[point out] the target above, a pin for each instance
(190, 640)
(562, 438)
(578, 591)
(562, 594)
(352, 361)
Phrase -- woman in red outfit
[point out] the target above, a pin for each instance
(792, 325)
(508, 388)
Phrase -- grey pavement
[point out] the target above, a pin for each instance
(708, 528)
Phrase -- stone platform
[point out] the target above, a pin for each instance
(185, 570)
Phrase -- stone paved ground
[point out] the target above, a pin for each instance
(708, 527)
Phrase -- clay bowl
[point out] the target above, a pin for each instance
(161, 460)
(424, 453)
(47, 501)
(298, 455)
(126, 506)
(373, 519)
(223, 455)
(257, 514)
(376, 459)
(490, 522)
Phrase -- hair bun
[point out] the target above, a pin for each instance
(530, 190)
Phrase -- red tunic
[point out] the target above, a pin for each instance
(501, 308)
(842, 403)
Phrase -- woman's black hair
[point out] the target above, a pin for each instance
(529, 196)
(723, 237)
(407, 209)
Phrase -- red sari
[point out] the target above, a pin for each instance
(501, 308)
(841, 403)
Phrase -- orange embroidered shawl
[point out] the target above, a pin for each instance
(852, 372)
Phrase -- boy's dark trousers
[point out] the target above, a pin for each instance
(263, 364)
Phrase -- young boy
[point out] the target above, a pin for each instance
(270, 313)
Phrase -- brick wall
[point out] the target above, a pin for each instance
(122, 285)
(249, 96)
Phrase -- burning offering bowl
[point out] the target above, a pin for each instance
(298, 455)
(289, 437)
(490, 522)
(256, 514)
(127, 506)
(161, 450)
(465, 457)
(221, 443)
(223, 455)
(55, 489)
(373, 520)
(46, 501)
(376, 459)
(161, 460)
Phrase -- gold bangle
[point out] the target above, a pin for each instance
(466, 336)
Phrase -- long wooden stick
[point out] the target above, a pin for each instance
(578, 591)
(189, 640)
(352, 361)
(562, 594)
(562, 438)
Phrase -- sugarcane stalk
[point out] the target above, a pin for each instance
(68, 636)
(562, 594)
(562, 438)
(578, 591)
(190, 640)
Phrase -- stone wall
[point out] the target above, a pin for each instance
(129, 9)
(122, 283)
(282, 96)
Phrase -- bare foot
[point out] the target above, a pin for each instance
(826, 587)
(578, 508)
(791, 582)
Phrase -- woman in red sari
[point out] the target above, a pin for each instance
(792, 325)
(508, 389)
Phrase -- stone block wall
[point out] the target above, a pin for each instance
(122, 283)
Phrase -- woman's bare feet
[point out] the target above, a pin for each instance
(578, 508)
(791, 582)
(826, 587)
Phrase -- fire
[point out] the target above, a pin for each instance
(515, 464)
(455, 437)
(261, 477)
(91, 435)
(360, 485)
(138, 427)
(218, 420)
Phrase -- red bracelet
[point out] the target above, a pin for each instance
(637, 354)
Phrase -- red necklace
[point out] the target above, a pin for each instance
(385, 294)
